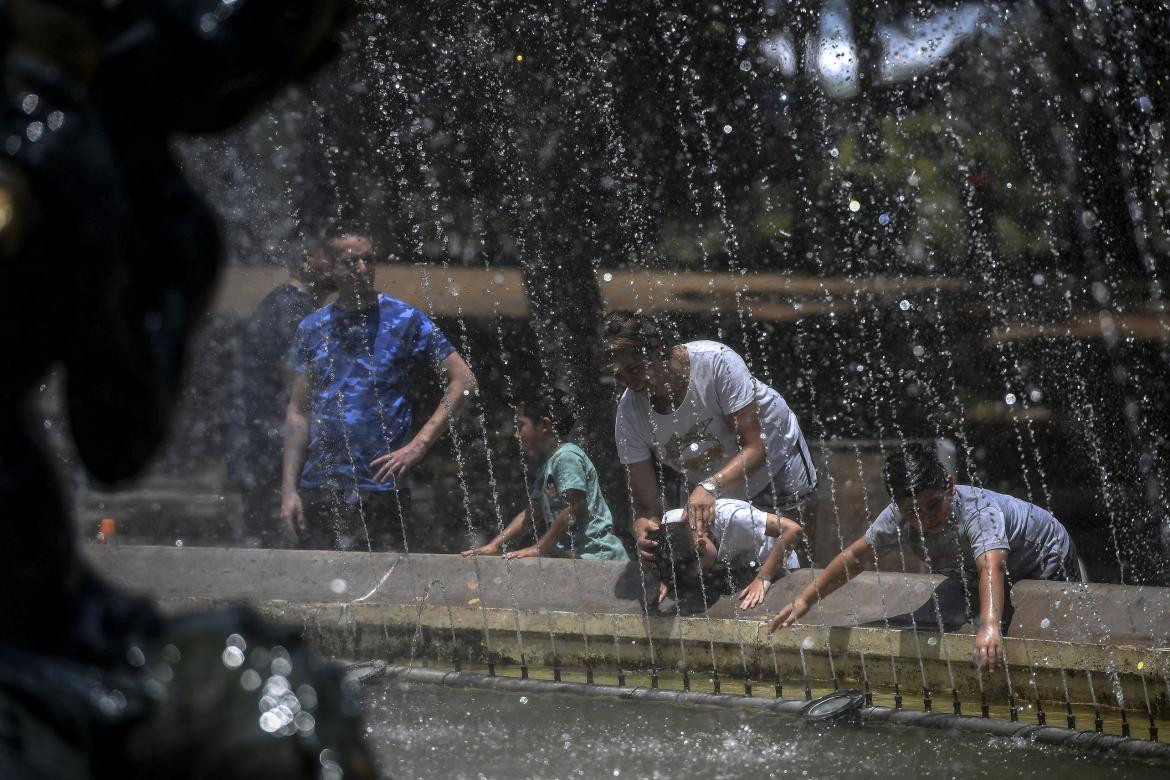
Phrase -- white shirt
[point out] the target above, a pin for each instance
(739, 531)
(695, 438)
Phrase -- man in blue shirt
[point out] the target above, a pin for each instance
(348, 443)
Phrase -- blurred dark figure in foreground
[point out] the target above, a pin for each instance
(264, 380)
(108, 257)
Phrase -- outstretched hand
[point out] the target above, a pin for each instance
(491, 548)
(527, 552)
(754, 593)
(988, 652)
(789, 614)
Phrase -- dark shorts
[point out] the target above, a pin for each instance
(355, 520)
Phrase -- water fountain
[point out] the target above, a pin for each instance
(916, 222)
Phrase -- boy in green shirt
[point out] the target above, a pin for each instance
(567, 509)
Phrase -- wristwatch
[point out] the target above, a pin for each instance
(710, 487)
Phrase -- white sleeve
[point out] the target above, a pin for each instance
(741, 529)
(734, 386)
(633, 445)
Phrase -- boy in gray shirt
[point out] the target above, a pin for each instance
(967, 533)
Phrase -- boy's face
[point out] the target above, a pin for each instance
(705, 545)
(531, 433)
(929, 509)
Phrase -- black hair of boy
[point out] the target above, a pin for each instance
(552, 403)
(912, 469)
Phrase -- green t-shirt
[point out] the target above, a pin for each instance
(569, 468)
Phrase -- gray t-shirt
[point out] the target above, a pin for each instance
(981, 520)
(695, 438)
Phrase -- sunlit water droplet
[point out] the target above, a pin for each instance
(233, 657)
(855, 206)
(808, 643)
(339, 586)
(250, 680)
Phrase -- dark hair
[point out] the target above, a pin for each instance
(551, 402)
(913, 468)
(673, 556)
(295, 261)
(631, 328)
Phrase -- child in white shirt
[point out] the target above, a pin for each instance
(740, 538)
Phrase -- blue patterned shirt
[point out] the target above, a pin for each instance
(360, 367)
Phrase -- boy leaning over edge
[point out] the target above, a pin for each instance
(741, 538)
(567, 507)
(967, 533)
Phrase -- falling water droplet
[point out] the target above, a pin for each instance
(339, 586)
(178, 543)
(855, 206)
(607, 276)
(1010, 399)
(883, 218)
(1045, 623)
(904, 305)
(523, 699)
(932, 641)
(808, 643)
(726, 129)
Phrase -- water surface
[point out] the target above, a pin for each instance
(427, 731)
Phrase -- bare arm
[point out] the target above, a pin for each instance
(546, 546)
(700, 509)
(847, 564)
(789, 532)
(296, 441)
(509, 532)
(991, 567)
(461, 383)
(647, 507)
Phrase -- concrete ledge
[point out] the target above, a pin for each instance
(593, 612)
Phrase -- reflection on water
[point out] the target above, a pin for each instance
(437, 732)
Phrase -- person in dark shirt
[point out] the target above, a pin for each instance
(263, 390)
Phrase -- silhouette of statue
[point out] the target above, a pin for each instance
(108, 257)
